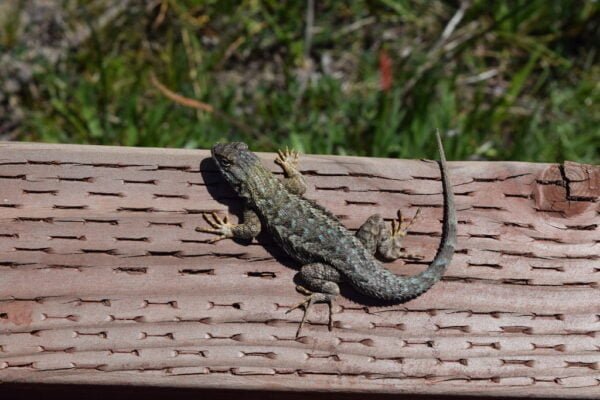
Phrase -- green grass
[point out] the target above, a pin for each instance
(516, 80)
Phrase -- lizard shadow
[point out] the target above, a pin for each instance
(220, 190)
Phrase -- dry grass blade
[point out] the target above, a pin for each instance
(179, 99)
(199, 105)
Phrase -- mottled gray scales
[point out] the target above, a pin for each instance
(327, 251)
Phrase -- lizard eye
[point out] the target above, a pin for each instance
(224, 162)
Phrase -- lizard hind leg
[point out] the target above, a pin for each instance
(376, 236)
(321, 287)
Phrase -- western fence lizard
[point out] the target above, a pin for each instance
(329, 253)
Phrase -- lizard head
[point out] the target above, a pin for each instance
(237, 164)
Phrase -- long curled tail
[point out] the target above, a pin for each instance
(407, 288)
(442, 259)
(404, 288)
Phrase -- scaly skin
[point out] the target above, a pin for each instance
(312, 236)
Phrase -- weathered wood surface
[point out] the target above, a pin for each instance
(104, 280)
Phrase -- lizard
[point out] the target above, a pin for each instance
(328, 252)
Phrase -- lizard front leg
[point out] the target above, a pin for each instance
(294, 181)
(247, 230)
(376, 236)
(322, 282)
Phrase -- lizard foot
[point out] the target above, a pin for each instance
(288, 161)
(390, 246)
(310, 299)
(220, 227)
(400, 227)
(287, 158)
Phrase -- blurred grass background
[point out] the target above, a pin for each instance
(502, 80)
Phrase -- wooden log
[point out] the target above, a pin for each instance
(104, 279)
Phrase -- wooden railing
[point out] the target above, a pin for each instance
(104, 279)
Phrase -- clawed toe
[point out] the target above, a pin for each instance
(400, 227)
(219, 226)
(287, 156)
(308, 301)
(304, 303)
(303, 290)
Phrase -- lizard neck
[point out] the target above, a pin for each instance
(259, 186)
(265, 192)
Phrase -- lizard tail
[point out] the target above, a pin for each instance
(436, 269)
(388, 286)
(406, 288)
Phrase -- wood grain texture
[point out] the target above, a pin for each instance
(104, 280)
